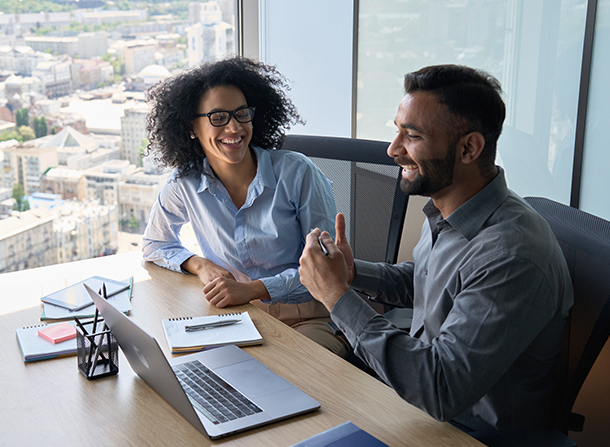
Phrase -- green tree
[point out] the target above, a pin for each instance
(27, 133)
(10, 135)
(134, 223)
(142, 148)
(21, 202)
(40, 126)
(114, 61)
(22, 117)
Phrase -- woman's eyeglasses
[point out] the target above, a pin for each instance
(222, 117)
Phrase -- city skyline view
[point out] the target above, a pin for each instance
(74, 183)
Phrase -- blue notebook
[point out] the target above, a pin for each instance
(344, 435)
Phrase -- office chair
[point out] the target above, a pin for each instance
(366, 183)
(585, 241)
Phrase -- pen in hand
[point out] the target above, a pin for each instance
(324, 250)
(201, 327)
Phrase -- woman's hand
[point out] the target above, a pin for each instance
(205, 269)
(223, 292)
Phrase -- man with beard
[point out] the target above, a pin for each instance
(489, 285)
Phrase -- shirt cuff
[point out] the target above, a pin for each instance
(368, 277)
(351, 314)
(276, 289)
(176, 260)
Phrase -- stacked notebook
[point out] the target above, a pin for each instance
(37, 347)
(57, 304)
(242, 332)
(56, 340)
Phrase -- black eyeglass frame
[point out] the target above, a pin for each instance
(231, 113)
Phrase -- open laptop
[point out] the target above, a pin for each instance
(220, 391)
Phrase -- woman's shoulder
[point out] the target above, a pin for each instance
(177, 181)
(287, 157)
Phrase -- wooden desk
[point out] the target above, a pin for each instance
(50, 403)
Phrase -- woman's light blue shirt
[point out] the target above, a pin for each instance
(263, 239)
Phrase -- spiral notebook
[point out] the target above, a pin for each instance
(34, 347)
(242, 333)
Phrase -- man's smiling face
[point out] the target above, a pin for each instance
(423, 147)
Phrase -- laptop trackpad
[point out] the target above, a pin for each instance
(254, 378)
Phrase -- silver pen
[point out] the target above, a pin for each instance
(201, 327)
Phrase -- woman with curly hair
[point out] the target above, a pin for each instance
(250, 206)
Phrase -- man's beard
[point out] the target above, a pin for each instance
(438, 174)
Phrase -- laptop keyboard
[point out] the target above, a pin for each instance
(211, 395)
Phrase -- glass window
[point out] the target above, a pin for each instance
(595, 185)
(533, 47)
(80, 111)
(311, 43)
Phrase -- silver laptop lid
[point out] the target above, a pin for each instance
(278, 397)
(146, 358)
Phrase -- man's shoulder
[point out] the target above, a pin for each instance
(515, 229)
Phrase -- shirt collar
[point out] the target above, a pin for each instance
(265, 177)
(470, 216)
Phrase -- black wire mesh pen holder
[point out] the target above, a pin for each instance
(97, 352)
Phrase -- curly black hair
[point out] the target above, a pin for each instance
(174, 103)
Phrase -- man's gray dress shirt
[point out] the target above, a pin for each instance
(490, 292)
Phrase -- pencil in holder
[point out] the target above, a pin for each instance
(97, 350)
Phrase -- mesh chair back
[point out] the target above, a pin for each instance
(366, 184)
(585, 241)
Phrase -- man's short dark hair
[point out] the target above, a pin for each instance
(471, 95)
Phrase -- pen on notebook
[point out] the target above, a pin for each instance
(200, 327)
(324, 250)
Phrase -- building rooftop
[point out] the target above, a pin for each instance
(19, 222)
(101, 115)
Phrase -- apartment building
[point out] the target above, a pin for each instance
(21, 59)
(138, 193)
(26, 240)
(102, 182)
(68, 183)
(85, 230)
(56, 77)
(210, 38)
(133, 132)
(137, 55)
(92, 45)
(25, 163)
(59, 45)
(88, 17)
(89, 73)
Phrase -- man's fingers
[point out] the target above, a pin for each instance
(340, 229)
(328, 243)
(312, 238)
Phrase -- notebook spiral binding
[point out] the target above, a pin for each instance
(37, 325)
(218, 315)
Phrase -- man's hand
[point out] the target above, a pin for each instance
(223, 292)
(343, 245)
(327, 277)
